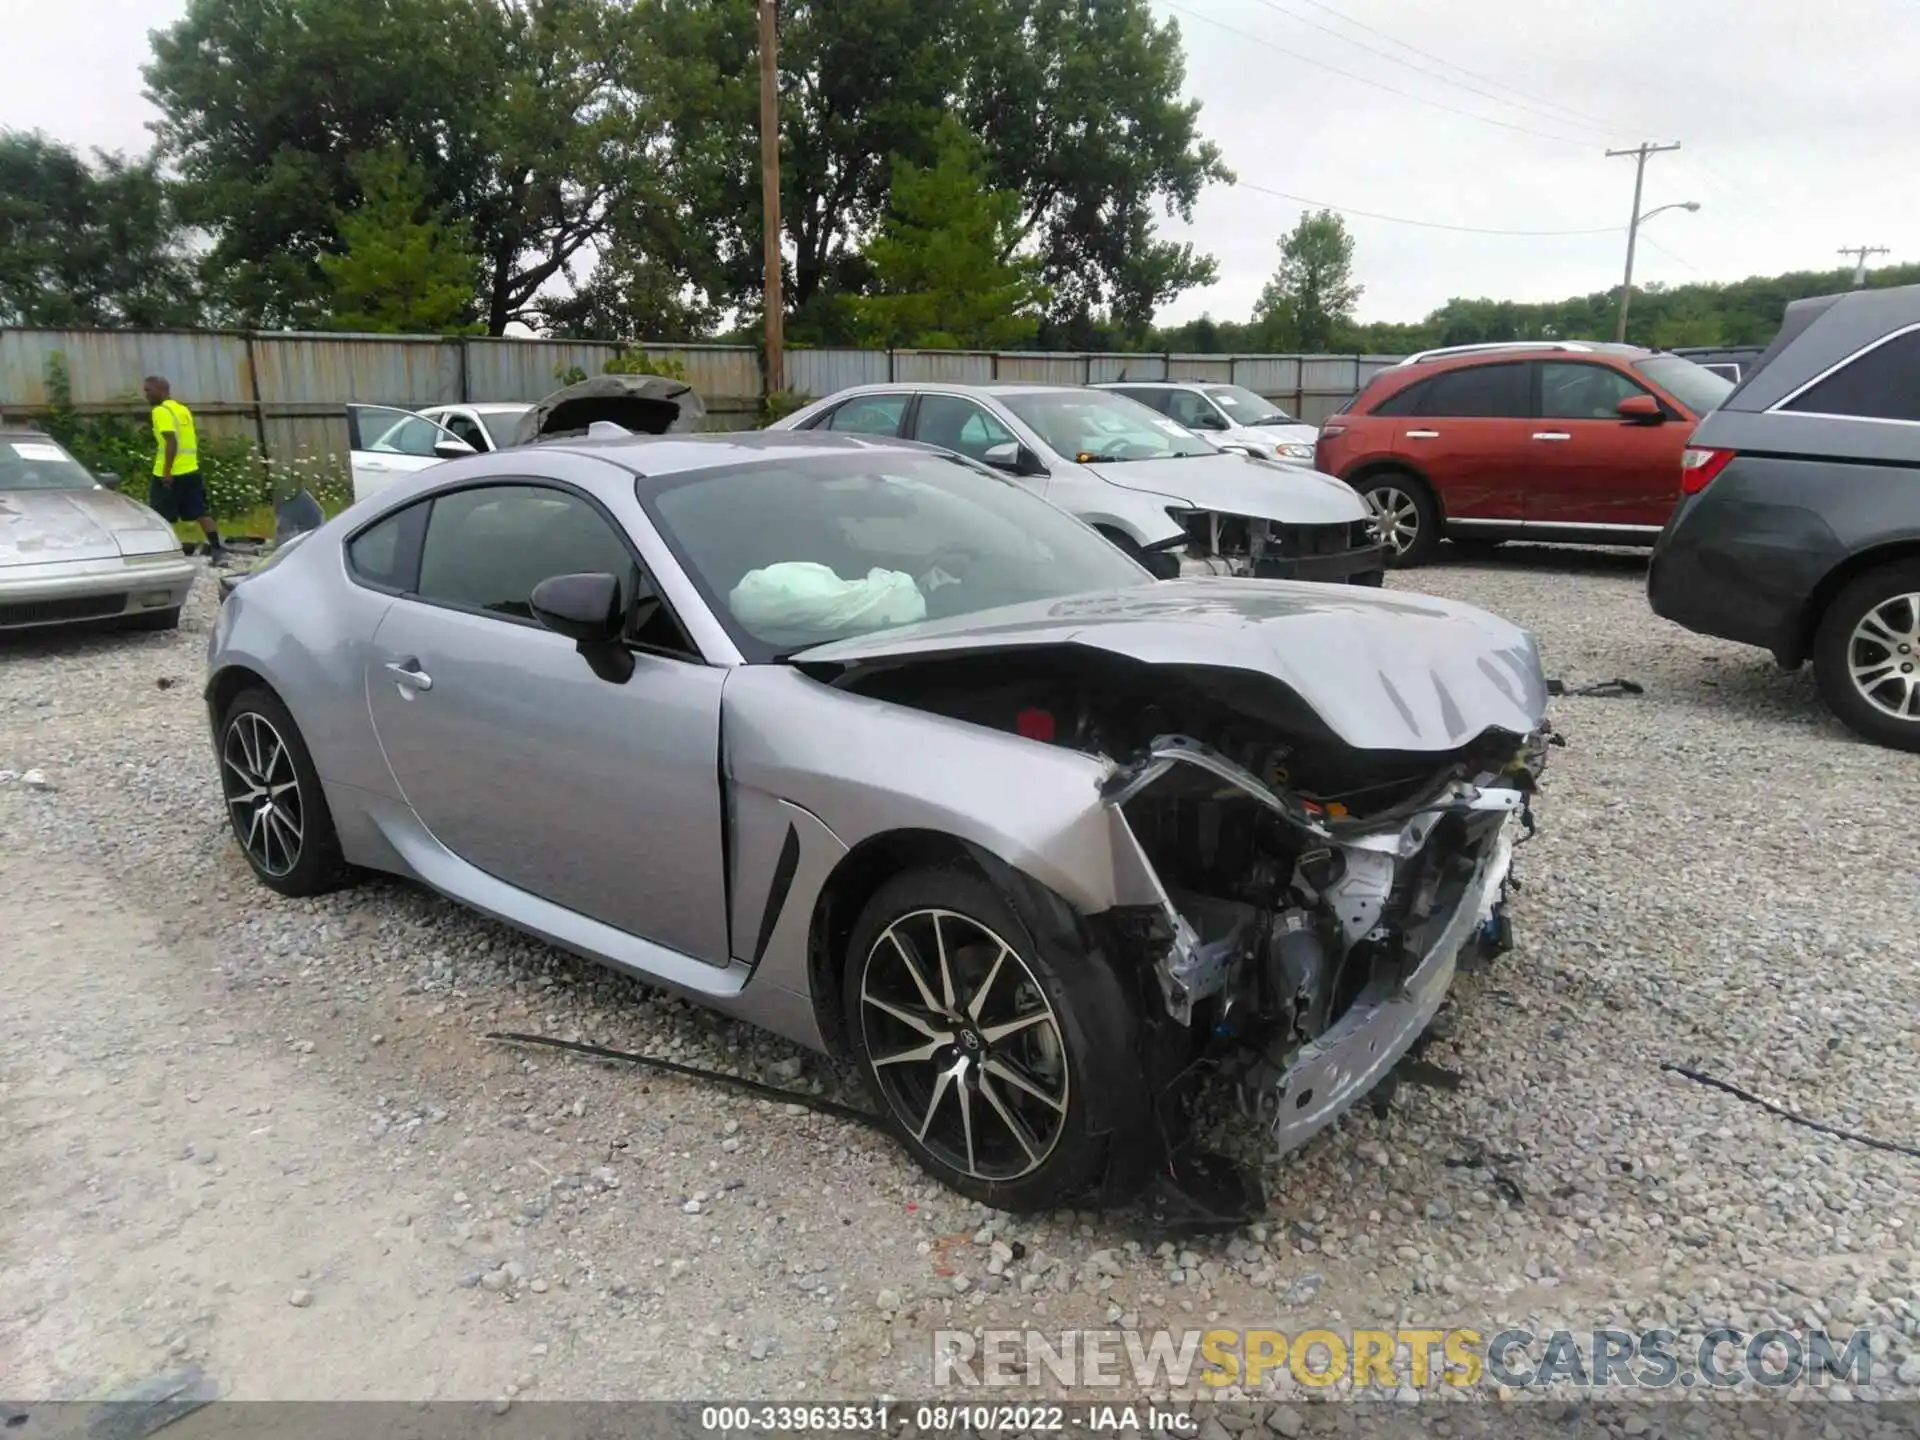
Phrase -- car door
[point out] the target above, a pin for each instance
(388, 443)
(600, 797)
(1592, 467)
(1469, 435)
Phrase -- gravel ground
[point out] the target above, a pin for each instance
(266, 1137)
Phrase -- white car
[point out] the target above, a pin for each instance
(486, 427)
(388, 443)
(1177, 501)
(1230, 415)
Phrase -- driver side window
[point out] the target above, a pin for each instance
(956, 424)
(488, 546)
(1582, 392)
(416, 435)
(464, 428)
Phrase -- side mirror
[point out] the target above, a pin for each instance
(452, 448)
(110, 480)
(587, 610)
(1641, 409)
(1207, 420)
(1014, 458)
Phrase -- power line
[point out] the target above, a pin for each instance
(1363, 80)
(1423, 224)
(1655, 244)
(1589, 120)
(1423, 70)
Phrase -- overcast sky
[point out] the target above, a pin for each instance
(1799, 119)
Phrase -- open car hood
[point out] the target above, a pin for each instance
(1234, 484)
(1380, 670)
(643, 404)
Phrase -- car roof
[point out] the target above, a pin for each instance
(1517, 349)
(957, 387)
(659, 457)
(1160, 384)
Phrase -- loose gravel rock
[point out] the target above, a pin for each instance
(1723, 878)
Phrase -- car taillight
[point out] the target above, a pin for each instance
(1698, 466)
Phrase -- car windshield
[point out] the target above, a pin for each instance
(502, 425)
(797, 553)
(1695, 387)
(1247, 408)
(1098, 426)
(32, 462)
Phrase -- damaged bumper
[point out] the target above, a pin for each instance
(1332, 1073)
(1245, 547)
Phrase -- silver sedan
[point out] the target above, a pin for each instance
(863, 743)
(72, 548)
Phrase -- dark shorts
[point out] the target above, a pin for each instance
(184, 499)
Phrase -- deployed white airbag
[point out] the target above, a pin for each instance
(800, 595)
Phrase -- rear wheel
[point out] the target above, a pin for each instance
(999, 1059)
(274, 801)
(1408, 519)
(1866, 655)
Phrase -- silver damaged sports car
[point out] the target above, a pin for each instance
(860, 742)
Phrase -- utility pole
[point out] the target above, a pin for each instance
(1640, 154)
(770, 194)
(1860, 254)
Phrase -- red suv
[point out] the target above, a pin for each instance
(1556, 440)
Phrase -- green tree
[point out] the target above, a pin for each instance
(1308, 304)
(406, 270)
(88, 243)
(945, 272)
(1078, 103)
(524, 117)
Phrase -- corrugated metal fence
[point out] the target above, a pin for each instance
(287, 392)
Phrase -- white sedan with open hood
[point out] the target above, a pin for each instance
(1175, 501)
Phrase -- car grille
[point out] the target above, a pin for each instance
(77, 607)
(1291, 542)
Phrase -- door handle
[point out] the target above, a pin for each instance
(1552, 435)
(1423, 434)
(410, 674)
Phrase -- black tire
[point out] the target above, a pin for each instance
(254, 784)
(1412, 531)
(1873, 625)
(153, 620)
(1090, 1031)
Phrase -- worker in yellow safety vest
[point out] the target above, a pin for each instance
(177, 491)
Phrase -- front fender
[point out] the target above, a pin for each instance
(866, 767)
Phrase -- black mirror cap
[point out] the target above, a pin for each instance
(110, 480)
(584, 608)
(453, 449)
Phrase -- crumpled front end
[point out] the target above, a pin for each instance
(1306, 942)
(1345, 552)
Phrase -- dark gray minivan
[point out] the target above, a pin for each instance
(1798, 527)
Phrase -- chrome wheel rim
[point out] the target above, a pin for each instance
(1883, 654)
(964, 1045)
(263, 793)
(1396, 517)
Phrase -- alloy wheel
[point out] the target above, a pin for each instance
(1396, 516)
(263, 793)
(1883, 656)
(963, 1044)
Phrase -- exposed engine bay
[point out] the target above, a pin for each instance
(1316, 897)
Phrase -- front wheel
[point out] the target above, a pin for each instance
(1866, 655)
(1408, 520)
(998, 1060)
